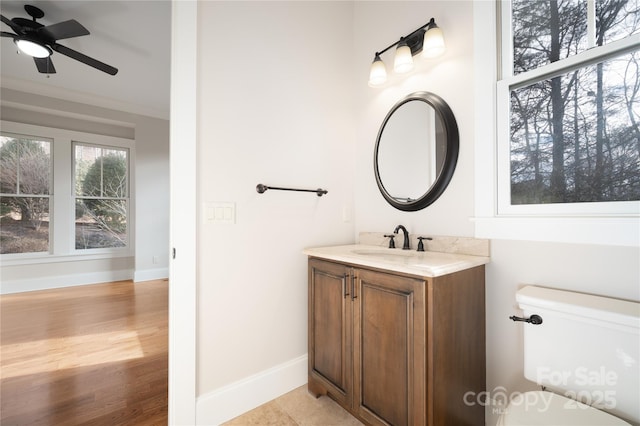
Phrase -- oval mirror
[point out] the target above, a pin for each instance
(416, 151)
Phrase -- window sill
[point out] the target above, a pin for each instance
(39, 258)
(612, 231)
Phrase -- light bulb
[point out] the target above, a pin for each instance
(378, 73)
(433, 44)
(31, 48)
(403, 61)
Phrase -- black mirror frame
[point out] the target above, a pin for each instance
(451, 156)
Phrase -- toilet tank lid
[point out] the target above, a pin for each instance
(622, 312)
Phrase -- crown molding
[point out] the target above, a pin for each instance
(82, 97)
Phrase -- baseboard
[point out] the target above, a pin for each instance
(60, 281)
(151, 274)
(494, 408)
(221, 405)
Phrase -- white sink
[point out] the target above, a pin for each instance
(383, 252)
(410, 258)
(427, 263)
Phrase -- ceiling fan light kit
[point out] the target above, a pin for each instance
(38, 41)
(32, 48)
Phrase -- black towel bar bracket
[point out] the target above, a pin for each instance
(263, 188)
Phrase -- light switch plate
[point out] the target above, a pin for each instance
(219, 212)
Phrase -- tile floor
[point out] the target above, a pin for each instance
(297, 407)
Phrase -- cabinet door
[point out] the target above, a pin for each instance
(389, 349)
(330, 330)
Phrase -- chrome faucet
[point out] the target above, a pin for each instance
(405, 245)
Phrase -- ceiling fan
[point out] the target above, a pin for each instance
(39, 41)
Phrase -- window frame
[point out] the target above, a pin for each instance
(50, 194)
(62, 231)
(509, 82)
(75, 197)
(608, 223)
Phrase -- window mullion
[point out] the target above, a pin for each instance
(18, 162)
(63, 209)
(101, 172)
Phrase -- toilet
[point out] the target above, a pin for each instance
(585, 354)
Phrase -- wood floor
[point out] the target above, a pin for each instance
(90, 355)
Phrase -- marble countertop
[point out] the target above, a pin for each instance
(424, 264)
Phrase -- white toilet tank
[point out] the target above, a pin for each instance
(587, 348)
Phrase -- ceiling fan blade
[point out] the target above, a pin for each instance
(84, 59)
(62, 30)
(15, 27)
(45, 65)
(6, 34)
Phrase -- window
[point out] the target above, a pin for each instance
(101, 181)
(63, 195)
(499, 87)
(569, 102)
(25, 190)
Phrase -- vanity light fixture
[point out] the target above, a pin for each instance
(427, 39)
(403, 61)
(378, 73)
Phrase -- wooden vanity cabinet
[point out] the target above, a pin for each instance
(330, 331)
(397, 349)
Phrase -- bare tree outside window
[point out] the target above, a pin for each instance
(101, 188)
(25, 189)
(575, 137)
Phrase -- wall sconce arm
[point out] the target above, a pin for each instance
(414, 39)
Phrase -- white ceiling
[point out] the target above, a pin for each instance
(131, 35)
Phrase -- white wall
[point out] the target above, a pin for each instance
(152, 199)
(275, 107)
(151, 193)
(603, 270)
(376, 25)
